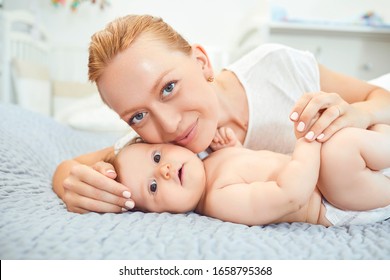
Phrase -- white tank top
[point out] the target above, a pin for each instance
(274, 78)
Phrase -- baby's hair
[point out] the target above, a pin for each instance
(115, 163)
(132, 141)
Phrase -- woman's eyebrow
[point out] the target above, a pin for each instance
(157, 83)
(155, 88)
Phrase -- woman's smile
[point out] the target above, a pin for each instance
(189, 134)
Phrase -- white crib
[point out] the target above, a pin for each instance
(24, 50)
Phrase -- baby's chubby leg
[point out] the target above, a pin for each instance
(351, 161)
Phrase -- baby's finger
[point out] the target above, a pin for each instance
(230, 134)
(221, 135)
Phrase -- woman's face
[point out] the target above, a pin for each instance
(163, 94)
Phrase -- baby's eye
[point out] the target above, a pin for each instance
(167, 90)
(156, 156)
(153, 186)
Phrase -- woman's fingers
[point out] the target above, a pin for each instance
(86, 182)
(105, 168)
(84, 204)
(310, 105)
(319, 116)
(72, 185)
(327, 122)
(93, 178)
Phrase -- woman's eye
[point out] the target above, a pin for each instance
(153, 186)
(156, 157)
(167, 90)
(137, 118)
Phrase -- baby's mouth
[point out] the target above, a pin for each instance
(180, 174)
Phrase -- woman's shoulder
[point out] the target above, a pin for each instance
(271, 51)
(273, 61)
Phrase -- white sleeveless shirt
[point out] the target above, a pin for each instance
(274, 78)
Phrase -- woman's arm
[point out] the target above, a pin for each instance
(343, 101)
(261, 203)
(87, 183)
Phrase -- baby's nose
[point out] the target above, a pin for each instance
(165, 170)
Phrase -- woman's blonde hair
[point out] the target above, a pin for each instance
(119, 35)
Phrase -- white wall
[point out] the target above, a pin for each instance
(215, 23)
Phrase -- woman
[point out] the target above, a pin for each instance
(168, 93)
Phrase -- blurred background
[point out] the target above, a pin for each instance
(350, 36)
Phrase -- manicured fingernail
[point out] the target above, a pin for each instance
(319, 137)
(110, 171)
(130, 204)
(124, 210)
(126, 194)
(294, 116)
(309, 135)
(301, 126)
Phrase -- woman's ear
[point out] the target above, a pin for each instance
(200, 54)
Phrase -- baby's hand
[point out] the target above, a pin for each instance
(224, 137)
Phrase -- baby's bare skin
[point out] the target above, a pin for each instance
(249, 187)
(222, 171)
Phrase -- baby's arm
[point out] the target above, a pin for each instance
(224, 137)
(260, 203)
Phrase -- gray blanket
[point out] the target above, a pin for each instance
(34, 223)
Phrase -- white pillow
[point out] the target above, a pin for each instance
(34, 95)
(32, 86)
(90, 113)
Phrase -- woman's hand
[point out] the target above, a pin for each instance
(94, 189)
(317, 116)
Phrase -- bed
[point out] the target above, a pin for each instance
(34, 222)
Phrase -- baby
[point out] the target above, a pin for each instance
(249, 187)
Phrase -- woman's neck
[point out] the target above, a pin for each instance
(234, 112)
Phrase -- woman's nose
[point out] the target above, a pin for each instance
(165, 170)
(168, 118)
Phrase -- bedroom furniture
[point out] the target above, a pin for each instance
(360, 51)
(23, 41)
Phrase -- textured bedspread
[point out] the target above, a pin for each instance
(34, 223)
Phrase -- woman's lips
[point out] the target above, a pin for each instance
(187, 136)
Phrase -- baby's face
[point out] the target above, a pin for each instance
(162, 177)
